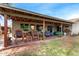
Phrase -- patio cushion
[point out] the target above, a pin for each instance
(51, 33)
(47, 34)
(18, 33)
(58, 33)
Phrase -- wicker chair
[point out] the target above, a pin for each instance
(28, 36)
(35, 35)
(18, 34)
(41, 35)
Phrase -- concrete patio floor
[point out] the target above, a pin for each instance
(1, 42)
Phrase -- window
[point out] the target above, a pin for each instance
(49, 28)
(39, 28)
(22, 26)
(25, 27)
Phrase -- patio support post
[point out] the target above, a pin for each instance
(53, 28)
(61, 28)
(44, 29)
(5, 31)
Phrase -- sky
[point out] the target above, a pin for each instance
(61, 10)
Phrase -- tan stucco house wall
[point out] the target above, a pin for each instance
(75, 26)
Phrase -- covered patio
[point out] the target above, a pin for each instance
(26, 21)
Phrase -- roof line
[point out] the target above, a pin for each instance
(38, 14)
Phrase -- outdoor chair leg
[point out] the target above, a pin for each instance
(22, 38)
(31, 39)
(25, 39)
(15, 41)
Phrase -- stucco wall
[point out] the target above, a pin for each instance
(16, 26)
(75, 28)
